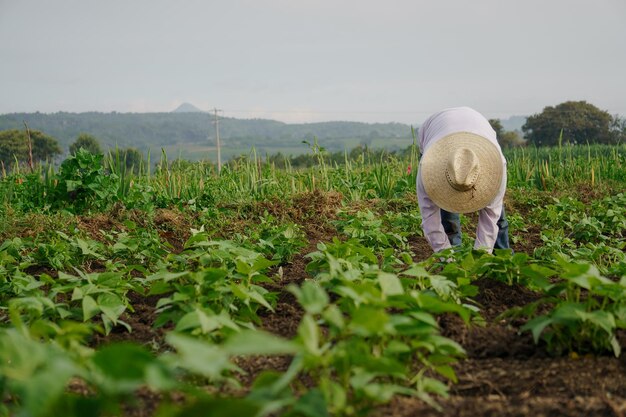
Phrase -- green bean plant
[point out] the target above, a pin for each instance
(578, 312)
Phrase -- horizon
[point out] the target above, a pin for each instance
(222, 116)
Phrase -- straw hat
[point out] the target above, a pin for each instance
(462, 172)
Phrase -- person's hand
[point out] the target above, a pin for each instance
(447, 256)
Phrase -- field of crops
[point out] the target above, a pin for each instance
(266, 292)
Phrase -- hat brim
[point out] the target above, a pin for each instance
(433, 173)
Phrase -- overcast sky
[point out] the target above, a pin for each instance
(312, 60)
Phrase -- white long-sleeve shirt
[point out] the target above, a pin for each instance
(440, 125)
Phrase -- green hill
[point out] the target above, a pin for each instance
(192, 134)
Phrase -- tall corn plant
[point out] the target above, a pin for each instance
(568, 165)
(252, 178)
(181, 180)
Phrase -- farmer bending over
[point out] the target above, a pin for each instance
(461, 170)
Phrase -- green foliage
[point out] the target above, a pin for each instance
(83, 184)
(593, 233)
(222, 296)
(571, 122)
(580, 312)
(366, 227)
(368, 312)
(278, 241)
(132, 159)
(35, 376)
(14, 147)
(506, 139)
(87, 142)
(378, 322)
(156, 130)
(503, 266)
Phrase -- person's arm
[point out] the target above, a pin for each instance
(487, 231)
(431, 219)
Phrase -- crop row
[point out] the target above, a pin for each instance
(95, 182)
(368, 330)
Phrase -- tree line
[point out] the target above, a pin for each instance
(28, 147)
(568, 123)
(155, 130)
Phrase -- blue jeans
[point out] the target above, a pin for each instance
(452, 225)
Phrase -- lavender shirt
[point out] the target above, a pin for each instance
(437, 126)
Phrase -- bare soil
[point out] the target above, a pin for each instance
(506, 374)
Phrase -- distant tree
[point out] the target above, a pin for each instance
(87, 142)
(618, 128)
(133, 158)
(14, 145)
(358, 151)
(496, 124)
(579, 121)
(278, 160)
(125, 159)
(44, 147)
(511, 139)
(506, 138)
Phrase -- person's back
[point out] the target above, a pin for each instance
(453, 120)
(462, 169)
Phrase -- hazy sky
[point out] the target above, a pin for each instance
(312, 60)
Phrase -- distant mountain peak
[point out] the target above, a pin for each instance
(187, 108)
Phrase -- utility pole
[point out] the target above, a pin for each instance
(216, 122)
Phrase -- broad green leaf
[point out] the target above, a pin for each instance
(197, 319)
(199, 357)
(311, 404)
(335, 395)
(243, 267)
(246, 294)
(390, 284)
(160, 287)
(602, 319)
(123, 366)
(47, 385)
(425, 318)
(381, 392)
(208, 323)
(434, 305)
(111, 306)
(395, 347)
(447, 371)
(537, 325)
(442, 286)
(77, 294)
(166, 276)
(311, 296)
(417, 271)
(261, 264)
(309, 334)
(254, 342)
(334, 316)
(369, 321)
(90, 308)
(211, 275)
(38, 371)
(433, 386)
(617, 348)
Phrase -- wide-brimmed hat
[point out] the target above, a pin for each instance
(462, 172)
